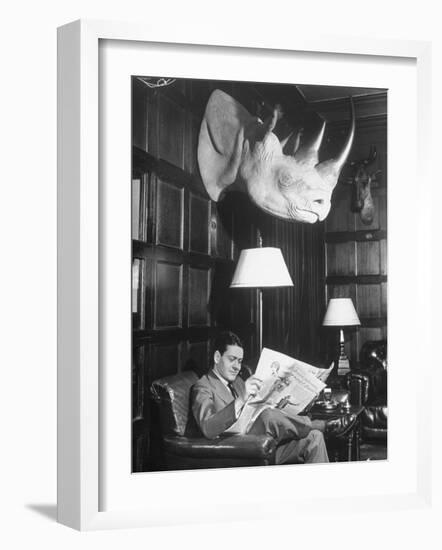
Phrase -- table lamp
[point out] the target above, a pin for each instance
(259, 268)
(341, 313)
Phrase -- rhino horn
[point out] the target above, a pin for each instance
(308, 153)
(297, 140)
(330, 169)
(296, 136)
(285, 140)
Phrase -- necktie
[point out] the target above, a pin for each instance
(232, 390)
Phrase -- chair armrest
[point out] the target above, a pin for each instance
(368, 384)
(224, 446)
(375, 416)
(358, 384)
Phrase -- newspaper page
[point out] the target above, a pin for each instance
(287, 384)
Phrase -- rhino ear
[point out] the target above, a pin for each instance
(221, 141)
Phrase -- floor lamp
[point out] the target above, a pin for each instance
(260, 268)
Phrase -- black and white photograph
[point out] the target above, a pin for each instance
(220, 290)
(259, 273)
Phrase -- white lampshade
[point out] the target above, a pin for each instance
(261, 267)
(340, 313)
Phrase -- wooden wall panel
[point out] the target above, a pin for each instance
(383, 258)
(382, 200)
(199, 292)
(220, 305)
(168, 295)
(153, 124)
(357, 254)
(140, 409)
(222, 226)
(165, 359)
(172, 122)
(368, 258)
(368, 302)
(341, 258)
(199, 224)
(138, 381)
(170, 214)
(138, 293)
(191, 144)
(139, 114)
(192, 244)
(384, 299)
(342, 291)
(197, 357)
(199, 93)
(340, 217)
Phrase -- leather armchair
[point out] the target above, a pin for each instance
(368, 386)
(184, 448)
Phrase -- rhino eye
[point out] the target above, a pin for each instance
(286, 180)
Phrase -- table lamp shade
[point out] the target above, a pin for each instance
(261, 267)
(340, 313)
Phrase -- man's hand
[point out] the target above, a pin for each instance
(253, 385)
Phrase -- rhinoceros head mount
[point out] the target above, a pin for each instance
(238, 150)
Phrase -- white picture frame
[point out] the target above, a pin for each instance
(80, 364)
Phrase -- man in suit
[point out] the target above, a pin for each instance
(219, 396)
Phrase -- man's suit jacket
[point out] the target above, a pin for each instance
(213, 408)
(213, 404)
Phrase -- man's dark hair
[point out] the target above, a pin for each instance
(225, 339)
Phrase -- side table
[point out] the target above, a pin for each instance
(350, 437)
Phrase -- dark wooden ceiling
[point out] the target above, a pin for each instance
(330, 103)
(314, 93)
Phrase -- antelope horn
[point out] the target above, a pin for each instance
(372, 155)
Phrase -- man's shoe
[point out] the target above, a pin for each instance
(338, 427)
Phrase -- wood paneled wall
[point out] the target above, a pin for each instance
(185, 247)
(356, 254)
(184, 251)
(292, 316)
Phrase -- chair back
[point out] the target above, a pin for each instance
(172, 395)
(373, 354)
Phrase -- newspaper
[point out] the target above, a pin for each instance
(287, 384)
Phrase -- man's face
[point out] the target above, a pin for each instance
(228, 364)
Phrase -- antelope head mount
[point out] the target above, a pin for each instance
(238, 151)
(362, 200)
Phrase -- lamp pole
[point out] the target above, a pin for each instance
(259, 268)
